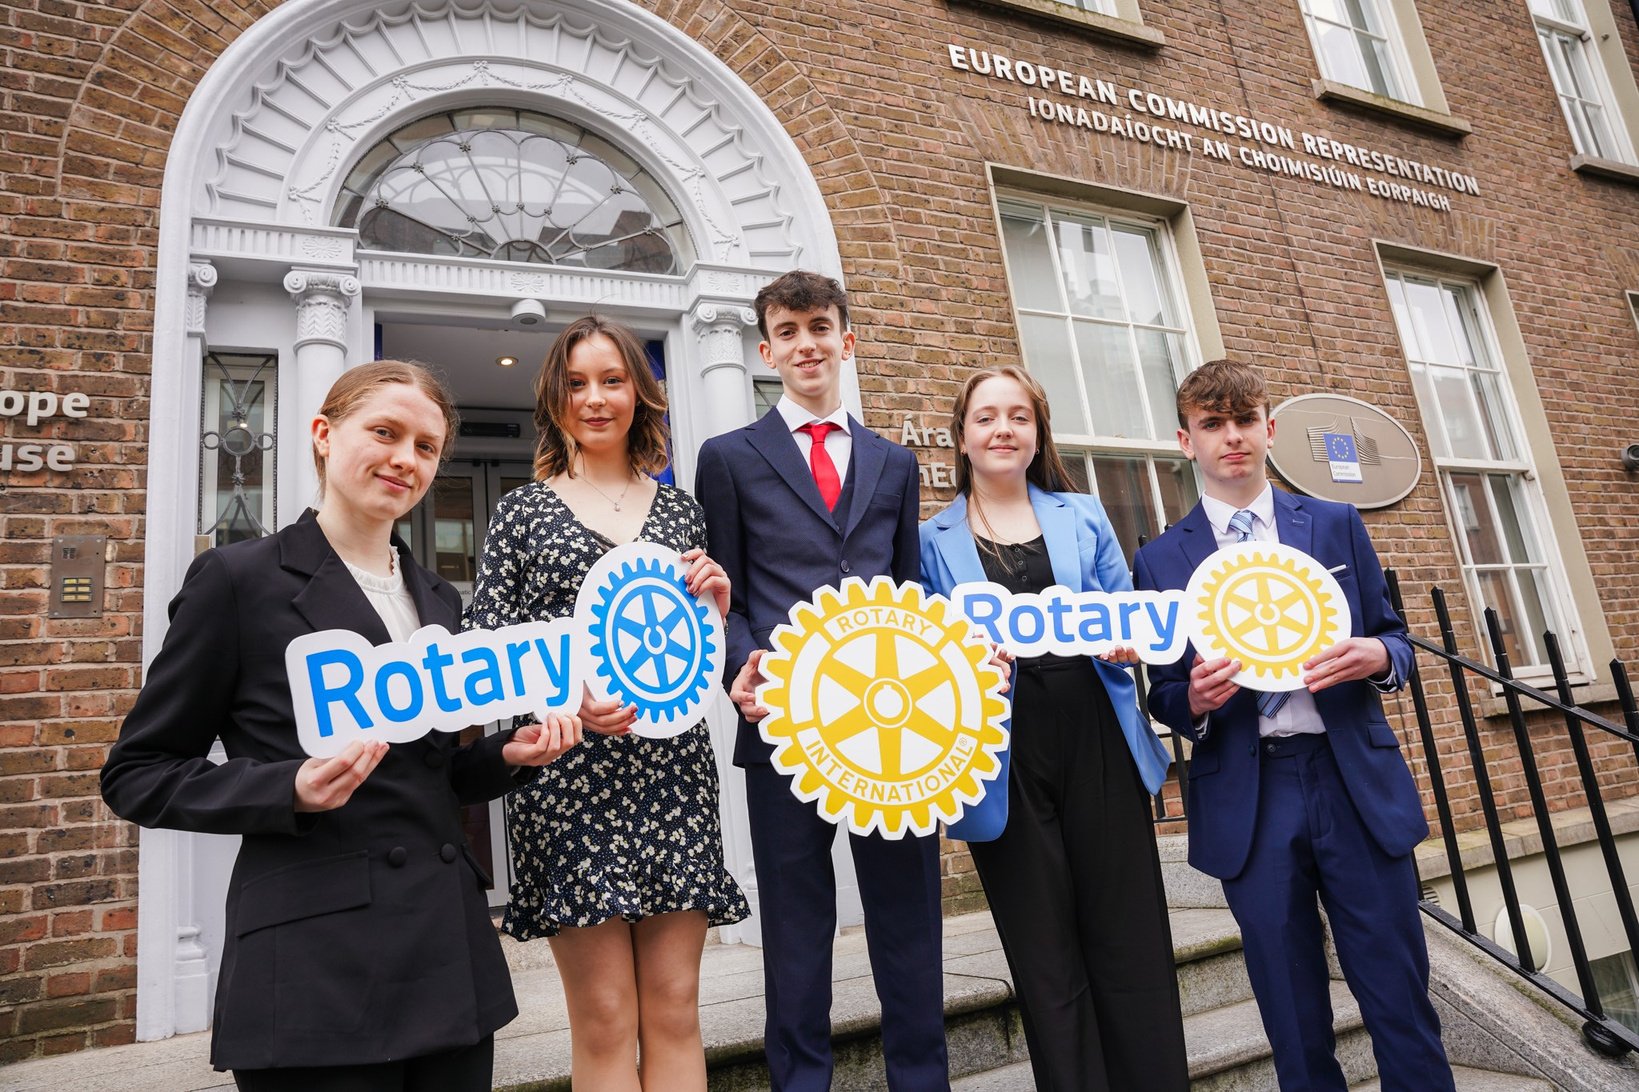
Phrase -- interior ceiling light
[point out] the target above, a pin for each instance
(506, 361)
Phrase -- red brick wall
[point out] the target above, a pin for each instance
(90, 93)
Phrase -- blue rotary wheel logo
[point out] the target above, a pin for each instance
(651, 640)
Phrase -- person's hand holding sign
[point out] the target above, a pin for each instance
(1211, 684)
(325, 784)
(1350, 659)
(607, 717)
(1124, 656)
(743, 691)
(702, 575)
(538, 744)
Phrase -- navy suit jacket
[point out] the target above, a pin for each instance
(769, 529)
(1085, 555)
(1223, 771)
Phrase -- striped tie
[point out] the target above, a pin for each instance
(1269, 703)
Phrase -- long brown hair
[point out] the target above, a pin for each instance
(555, 448)
(1046, 469)
(357, 384)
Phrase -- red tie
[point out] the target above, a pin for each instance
(819, 461)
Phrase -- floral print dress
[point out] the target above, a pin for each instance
(621, 826)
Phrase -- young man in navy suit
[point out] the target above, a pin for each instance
(800, 500)
(1303, 796)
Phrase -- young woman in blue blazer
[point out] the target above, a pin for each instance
(1062, 841)
(359, 953)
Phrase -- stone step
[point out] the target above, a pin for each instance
(1186, 888)
(1228, 1051)
(1475, 1080)
(1207, 947)
(1018, 1078)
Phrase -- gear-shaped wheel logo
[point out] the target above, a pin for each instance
(884, 708)
(1269, 606)
(654, 645)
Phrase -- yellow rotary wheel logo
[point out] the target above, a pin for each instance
(883, 707)
(1269, 606)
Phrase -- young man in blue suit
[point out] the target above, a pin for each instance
(800, 500)
(1307, 796)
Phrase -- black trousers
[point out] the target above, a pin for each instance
(465, 1069)
(1074, 884)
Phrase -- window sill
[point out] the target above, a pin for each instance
(1599, 167)
(1585, 694)
(1108, 27)
(1437, 121)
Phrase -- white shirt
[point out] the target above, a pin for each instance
(1299, 715)
(390, 598)
(838, 443)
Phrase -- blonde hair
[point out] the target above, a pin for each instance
(356, 385)
(555, 448)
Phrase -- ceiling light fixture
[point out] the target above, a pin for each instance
(506, 361)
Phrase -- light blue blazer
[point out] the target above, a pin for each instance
(1086, 557)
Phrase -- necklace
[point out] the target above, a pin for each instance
(614, 501)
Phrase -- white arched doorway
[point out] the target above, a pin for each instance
(250, 265)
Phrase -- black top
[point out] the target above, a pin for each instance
(1022, 567)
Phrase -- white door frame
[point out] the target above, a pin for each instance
(257, 158)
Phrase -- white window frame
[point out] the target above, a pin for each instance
(210, 483)
(1579, 31)
(1558, 604)
(1083, 446)
(1399, 69)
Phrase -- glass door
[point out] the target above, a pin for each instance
(445, 532)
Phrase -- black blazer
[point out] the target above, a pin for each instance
(355, 936)
(769, 529)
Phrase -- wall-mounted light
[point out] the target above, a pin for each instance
(527, 312)
(506, 361)
(1536, 935)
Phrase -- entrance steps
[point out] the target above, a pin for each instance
(1491, 1023)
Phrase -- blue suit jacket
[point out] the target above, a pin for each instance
(769, 529)
(1086, 557)
(1223, 771)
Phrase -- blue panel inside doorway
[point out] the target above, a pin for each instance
(656, 351)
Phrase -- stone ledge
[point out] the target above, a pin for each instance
(1521, 838)
(1600, 167)
(1110, 28)
(1437, 121)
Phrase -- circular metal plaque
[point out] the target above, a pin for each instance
(1343, 449)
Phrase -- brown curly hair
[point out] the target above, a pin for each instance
(555, 448)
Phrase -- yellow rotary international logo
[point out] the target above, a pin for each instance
(883, 707)
(1269, 606)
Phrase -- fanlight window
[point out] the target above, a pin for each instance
(514, 186)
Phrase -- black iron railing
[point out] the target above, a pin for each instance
(1602, 1032)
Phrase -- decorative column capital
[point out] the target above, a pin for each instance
(201, 279)
(719, 328)
(323, 300)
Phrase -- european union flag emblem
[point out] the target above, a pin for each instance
(1343, 456)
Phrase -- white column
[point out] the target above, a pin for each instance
(719, 330)
(323, 302)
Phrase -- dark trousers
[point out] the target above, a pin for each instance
(465, 1069)
(1309, 843)
(1074, 885)
(797, 909)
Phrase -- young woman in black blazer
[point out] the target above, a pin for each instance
(359, 952)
